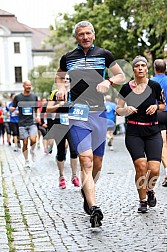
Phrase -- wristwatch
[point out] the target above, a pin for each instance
(111, 82)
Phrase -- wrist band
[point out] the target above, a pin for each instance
(111, 82)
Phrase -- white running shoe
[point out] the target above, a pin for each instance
(27, 164)
(15, 149)
(111, 148)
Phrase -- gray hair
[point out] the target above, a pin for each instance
(82, 24)
(137, 59)
(160, 65)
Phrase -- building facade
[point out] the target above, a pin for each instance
(21, 49)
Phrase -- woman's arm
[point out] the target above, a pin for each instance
(121, 110)
(161, 106)
(51, 106)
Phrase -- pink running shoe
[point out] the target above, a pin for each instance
(75, 181)
(62, 183)
(46, 151)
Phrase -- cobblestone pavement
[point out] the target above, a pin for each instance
(36, 215)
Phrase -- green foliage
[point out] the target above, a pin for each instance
(126, 28)
(149, 24)
(42, 79)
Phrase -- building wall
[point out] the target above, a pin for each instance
(26, 59)
(41, 59)
(10, 60)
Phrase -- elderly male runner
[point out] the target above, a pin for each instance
(86, 66)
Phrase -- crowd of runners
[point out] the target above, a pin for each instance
(81, 115)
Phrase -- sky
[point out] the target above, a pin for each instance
(37, 13)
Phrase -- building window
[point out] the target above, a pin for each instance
(16, 47)
(18, 74)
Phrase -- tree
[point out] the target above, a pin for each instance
(42, 79)
(148, 24)
(126, 28)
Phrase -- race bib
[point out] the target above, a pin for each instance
(27, 111)
(79, 112)
(64, 119)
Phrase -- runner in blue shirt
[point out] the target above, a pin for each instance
(161, 78)
(111, 119)
(13, 124)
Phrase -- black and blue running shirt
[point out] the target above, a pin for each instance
(85, 72)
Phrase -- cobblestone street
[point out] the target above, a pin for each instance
(36, 215)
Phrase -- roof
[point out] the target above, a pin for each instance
(5, 13)
(10, 21)
(38, 37)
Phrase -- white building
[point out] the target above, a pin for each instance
(21, 49)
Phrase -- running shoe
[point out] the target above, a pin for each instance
(38, 145)
(50, 151)
(110, 142)
(164, 183)
(75, 181)
(15, 149)
(50, 147)
(19, 145)
(151, 199)
(62, 183)
(85, 204)
(33, 156)
(27, 164)
(143, 208)
(46, 151)
(111, 148)
(96, 216)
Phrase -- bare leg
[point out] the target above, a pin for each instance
(140, 178)
(164, 151)
(97, 164)
(74, 162)
(153, 172)
(60, 165)
(86, 162)
(25, 148)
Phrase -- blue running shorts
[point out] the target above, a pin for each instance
(90, 134)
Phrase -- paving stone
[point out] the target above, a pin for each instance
(54, 219)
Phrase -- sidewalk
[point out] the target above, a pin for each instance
(37, 216)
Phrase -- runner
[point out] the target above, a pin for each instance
(143, 139)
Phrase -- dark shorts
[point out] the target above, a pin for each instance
(162, 120)
(7, 128)
(148, 146)
(61, 150)
(60, 133)
(2, 129)
(42, 129)
(14, 128)
(50, 123)
(90, 135)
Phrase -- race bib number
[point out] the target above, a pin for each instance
(79, 112)
(27, 111)
(64, 119)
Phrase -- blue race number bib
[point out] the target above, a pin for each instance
(27, 111)
(79, 112)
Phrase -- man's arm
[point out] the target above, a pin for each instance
(14, 105)
(118, 78)
(59, 80)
